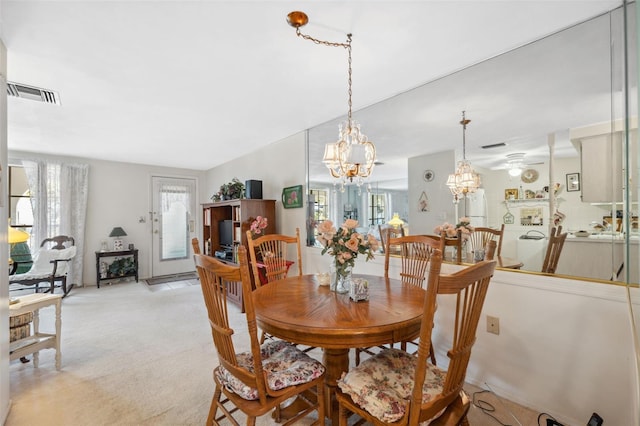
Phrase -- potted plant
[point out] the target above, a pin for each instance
(230, 191)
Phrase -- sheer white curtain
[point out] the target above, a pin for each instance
(59, 198)
(177, 201)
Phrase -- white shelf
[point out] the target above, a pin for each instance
(532, 200)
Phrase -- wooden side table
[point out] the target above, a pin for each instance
(123, 253)
(35, 343)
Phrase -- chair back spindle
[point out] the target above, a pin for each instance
(554, 249)
(273, 252)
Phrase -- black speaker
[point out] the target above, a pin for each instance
(253, 189)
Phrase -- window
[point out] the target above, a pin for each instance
(321, 204)
(377, 205)
(21, 213)
(318, 212)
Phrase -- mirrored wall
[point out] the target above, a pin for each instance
(566, 104)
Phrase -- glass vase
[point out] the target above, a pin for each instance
(341, 279)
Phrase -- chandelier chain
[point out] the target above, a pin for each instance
(347, 46)
(353, 156)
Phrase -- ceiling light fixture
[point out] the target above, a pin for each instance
(353, 155)
(465, 180)
(515, 164)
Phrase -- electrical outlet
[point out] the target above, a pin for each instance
(493, 325)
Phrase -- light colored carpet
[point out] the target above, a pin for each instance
(131, 356)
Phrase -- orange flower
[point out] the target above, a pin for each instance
(345, 243)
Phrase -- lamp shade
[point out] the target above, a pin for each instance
(396, 221)
(17, 236)
(117, 232)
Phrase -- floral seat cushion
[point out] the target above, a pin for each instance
(382, 384)
(284, 364)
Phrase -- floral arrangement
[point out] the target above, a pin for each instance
(464, 226)
(258, 225)
(345, 243)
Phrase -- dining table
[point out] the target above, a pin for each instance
(300, 310)
(508, 262)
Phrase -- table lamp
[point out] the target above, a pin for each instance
(116, 233)
(396, 222)
(17, 236)
(19, 250)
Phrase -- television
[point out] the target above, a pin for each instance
(226, 233)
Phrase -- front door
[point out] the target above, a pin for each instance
(173, 225)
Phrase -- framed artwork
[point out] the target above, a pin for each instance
(292, 197)
(423, 202)
(511, 194)
(508, 219)
(573, 182)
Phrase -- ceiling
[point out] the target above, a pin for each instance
(194, 84)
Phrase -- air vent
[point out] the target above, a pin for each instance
(34, 93)
(495, 145)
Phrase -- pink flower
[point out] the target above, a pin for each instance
(326, 227)
(350, 224)
(451, 231)
(353, 243)
(258, 225)
(345, 243)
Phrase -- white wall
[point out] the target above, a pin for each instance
(4, 277)
(278, 165)
(119, 195)
(441, 207)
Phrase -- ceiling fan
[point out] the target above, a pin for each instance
(516, 166)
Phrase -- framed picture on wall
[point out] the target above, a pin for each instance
(573, 182)
(292, 197)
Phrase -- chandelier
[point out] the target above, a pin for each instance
(465, 180)
(353, 155)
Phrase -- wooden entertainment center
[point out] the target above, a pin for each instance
(237, 215)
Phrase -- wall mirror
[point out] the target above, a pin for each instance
(561, 103)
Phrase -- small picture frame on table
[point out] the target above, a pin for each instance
(573, 182)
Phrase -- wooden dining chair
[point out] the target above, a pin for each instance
(272, 254)
(260, 380)
(415, 251)
(270, 261)
(554, 249)
(398, 388)
(196, 246)
(480, 235)
(490, 250)
(387, 232)
(452, 242)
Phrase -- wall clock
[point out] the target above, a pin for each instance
(428, 175)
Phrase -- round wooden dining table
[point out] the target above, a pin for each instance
(508, 263)
(298, 309)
